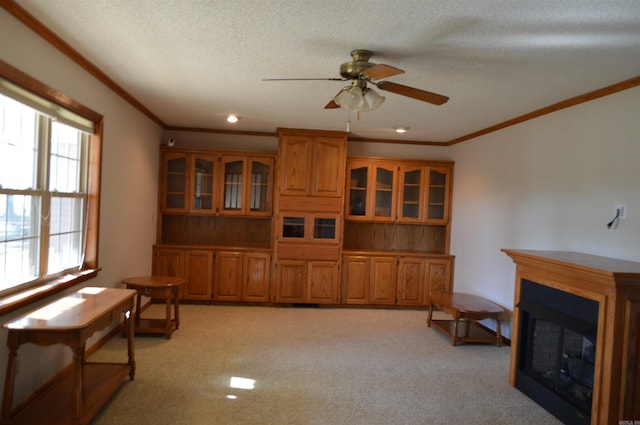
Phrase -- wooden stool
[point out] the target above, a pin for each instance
(469, 309)
(159, 287)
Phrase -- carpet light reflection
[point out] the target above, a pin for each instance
(242, 383)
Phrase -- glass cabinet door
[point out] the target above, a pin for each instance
(175, 197)
(358, 182)
(232, 190)
(437, 199)
(324, 228)
(411, 194)
(260, 185)
(385, 193)
(202, 197)
(293, 227)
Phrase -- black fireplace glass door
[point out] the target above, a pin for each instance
(563, 360)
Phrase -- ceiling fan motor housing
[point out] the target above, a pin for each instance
(360, 63)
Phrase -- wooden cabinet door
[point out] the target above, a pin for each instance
(228, 275)
(174, 182)
(382, 283)
(358, 202)
(438, 275)
(199, 275)
(168, 262)
(259, 191)
(291, 281)
(411, 193)
(203, 192)
(256, 277)
(323, 282)
(411, 281)
(384, 192)
(328, 166)
(438, 190)
(355, 280)
(294, 161)
(233, 192)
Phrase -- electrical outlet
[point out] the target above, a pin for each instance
(623, 211)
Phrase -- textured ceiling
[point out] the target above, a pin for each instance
(193, 62)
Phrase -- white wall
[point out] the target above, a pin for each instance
(129, 181)
(550, 183)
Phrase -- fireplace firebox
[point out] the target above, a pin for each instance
(557, 351)
(575, 340)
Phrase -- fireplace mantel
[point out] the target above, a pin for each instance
(615, 285)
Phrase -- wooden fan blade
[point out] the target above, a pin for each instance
(425, 96)
(381, 71)
(304, 79)
(332, 105)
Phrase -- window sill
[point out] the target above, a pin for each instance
(24, 298)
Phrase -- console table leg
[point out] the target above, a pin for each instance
(130, 347)
(176, 306)
(9, 379)
(78, 358)
(456, 318)
(168, 326)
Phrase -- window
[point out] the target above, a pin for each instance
(48, 187)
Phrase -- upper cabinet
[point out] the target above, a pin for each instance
(209, 182)
(246, 185)
(188, 182)
(311, 163)
(398, 191)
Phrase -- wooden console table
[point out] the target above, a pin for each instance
(468, 309)
(71, 320)
(161, 287)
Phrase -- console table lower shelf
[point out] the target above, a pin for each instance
(77, 396)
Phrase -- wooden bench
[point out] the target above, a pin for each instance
(468, 309)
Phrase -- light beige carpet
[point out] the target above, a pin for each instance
(313, 366)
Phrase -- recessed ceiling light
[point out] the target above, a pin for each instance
(232, 119)
(401, 129)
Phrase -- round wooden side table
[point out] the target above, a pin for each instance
(156, 287)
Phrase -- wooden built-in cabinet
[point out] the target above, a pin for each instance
(302, 281)
(242, 276)
(188, 183)
(211, 182)
(311, 163)
(394, 279)
(194, 265)
(398, 191)
(246, 185)
(305, 225)
(218, 274)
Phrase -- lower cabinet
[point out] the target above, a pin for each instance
(242, 276)
(198, 274)
(217, 274)
(195, 266)
(303, 281)
(362, 279)
(394, 280)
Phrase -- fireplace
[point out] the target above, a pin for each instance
(557, 351)
(575, 341)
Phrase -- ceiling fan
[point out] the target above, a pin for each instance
(360, 71)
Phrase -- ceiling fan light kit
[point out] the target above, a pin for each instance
(358, 99)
